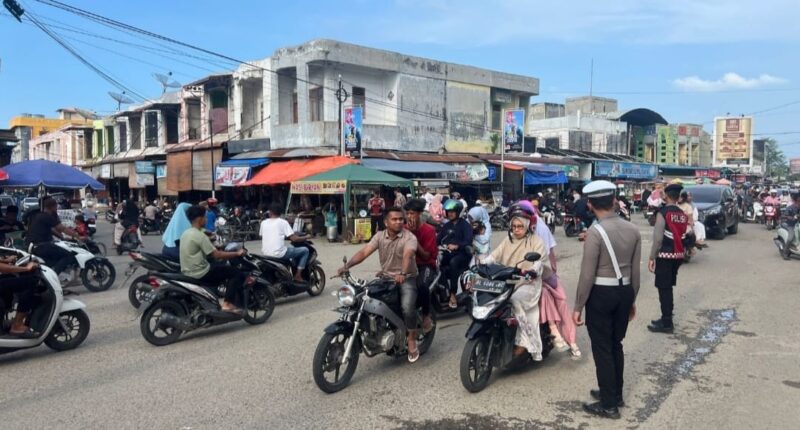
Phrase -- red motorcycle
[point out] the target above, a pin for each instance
(771, 216)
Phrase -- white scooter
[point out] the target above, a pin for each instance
(781, 240)
(95, 272)
(62, 322)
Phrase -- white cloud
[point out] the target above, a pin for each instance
(728, 81)
(470, 23)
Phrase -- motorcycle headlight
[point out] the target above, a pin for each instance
(346, 295)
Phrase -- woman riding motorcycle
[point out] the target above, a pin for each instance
(525, 299)
(178, 224)
(482, 230)
(456, 235)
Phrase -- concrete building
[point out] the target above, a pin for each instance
(30, 126)
(410, 103)
(676, 145)
(65, 145)
(590, 105)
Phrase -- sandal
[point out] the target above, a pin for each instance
(413, 356)
(427, 328)
(28, 333)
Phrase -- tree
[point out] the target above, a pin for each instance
(777, 165)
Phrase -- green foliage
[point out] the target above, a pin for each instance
(777, 166)
(495, 138)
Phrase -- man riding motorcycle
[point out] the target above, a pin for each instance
(456, 235)
(789, 221)
(274, 231)
(397, 249)
(427, 256)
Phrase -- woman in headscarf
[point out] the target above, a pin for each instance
(177, 225)
(482, 230)
(525, 299)
(436, 209)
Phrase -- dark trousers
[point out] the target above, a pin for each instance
(219, 273)
(666, 300)
(426, 275)
(24, 287)
(172, 252)
(376, 222)
(607, 313)
(56, 257)
(454, 264)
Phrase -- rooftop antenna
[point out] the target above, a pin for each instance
(166, 81)
(122, 99)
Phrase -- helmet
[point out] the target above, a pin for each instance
(212, 201)
(453, 205)
(773, 191)
(522, 208)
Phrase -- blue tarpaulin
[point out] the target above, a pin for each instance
(245, 162)
(33, 173)
(408, 166)
(534, 177)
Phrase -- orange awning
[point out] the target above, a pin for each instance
(283, 172)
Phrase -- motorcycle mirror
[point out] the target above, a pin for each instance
(532, 257)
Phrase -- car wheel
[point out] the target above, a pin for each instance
(734, 228)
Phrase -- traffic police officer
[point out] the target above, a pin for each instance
(607, 288)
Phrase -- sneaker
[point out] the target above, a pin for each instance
(536, 356)
(598, 410)
(575, 352)
(660, 326)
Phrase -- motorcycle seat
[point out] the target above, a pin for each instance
(180, 277)
(281, 260)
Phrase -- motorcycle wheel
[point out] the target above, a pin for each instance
(138, 288)
(782, 249)
(570, 230)
(101, 247)
(317, 281)
(328, 359)
(260, 304)
(150, 327)
(424, 341)
(651, 220)
(474, 375)
(98, 275)
(77, 324)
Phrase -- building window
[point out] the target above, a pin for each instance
(360, 99)
(294, 108)
(497, 113)
(315, 104)
(87, 145)
(171, 117)
(151, 129)
(123, 137)
(110, 143)
(552, 143)
(194, 123)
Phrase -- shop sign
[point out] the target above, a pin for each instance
(319, 187)
(146, 167)
(352, 128)
(711, 174)
(572, 171)
(145, 179)
(105, 171)
(363, 228)
(229, 176)
(161, 171)
(612, 169)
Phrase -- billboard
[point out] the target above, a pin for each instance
(733, 139)
(513, 130)
(351, 128)
(794, 166)
(617, 170)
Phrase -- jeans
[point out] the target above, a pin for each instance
(298, 256)
(221, 272)
(453, 265)
(408, 301)
(172, 252)
(426, 275)
(54, 256)
(376, 223)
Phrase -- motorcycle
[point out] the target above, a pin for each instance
(624, 213)
(148, 225)
(754, 212)
(91, 225)
(559, 214)
(491, 335)
(279, 273)
(572, 225)
(61, 321)
(96, 273)
(440, 294)
(650, 214)
(153, 263)
(781, 240)
(498, 218)
(129, 240)
(770, 216)
(371, 322)
(179, 304)
(549, 217)
(111, 216)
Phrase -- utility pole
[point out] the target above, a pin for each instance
(213, 170)
(341, 97)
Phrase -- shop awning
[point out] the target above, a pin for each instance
(283, 172)
(409, 166)
(533, 177)
(245, 162)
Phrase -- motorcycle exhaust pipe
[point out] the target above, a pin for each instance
(174, 322)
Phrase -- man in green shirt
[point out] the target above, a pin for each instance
(196, 248)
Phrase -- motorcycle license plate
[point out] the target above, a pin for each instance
(489, 286)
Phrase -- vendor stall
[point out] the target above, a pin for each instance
(352, 182)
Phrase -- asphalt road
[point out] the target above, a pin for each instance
(733, 362)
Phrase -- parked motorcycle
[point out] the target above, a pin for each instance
(498, 218)
(781, 240)
(96, 272)
(61, 321)
(371, 322)
(179, 304)
(152, 263)
(770, 216)
(490, 337)
(559, 214)
(548, 216)
(280, 273)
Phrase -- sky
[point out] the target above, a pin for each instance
(689, 60)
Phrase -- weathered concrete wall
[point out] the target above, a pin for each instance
(589, 105)
(421, 114)
(468, 111)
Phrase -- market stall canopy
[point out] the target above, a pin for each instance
(284, 172)
(409, 166)
(35, 173)
(337, 180)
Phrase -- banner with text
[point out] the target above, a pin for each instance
(733, 138)
(230, 176)
(514, 130)
(319, 187)
(616, 170)
(352, 121)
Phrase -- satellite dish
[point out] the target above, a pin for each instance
(166, 81)
(122, 99)
(86, 113)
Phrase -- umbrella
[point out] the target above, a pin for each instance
(3, 175)
(36, 173)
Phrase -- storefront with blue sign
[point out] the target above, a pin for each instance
(617, 170)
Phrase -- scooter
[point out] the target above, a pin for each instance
(754, 212)
(130, 240)
(498, 218)
(781, 240)
(62, 321)
(179, 304)
(650, 214)
(153, 263)
(572, 225)
(549, 217)
(96, 273)
(490, 337)
(440, 295)
(770, 216)
(148, 225)
(279, 273)
(371, 322)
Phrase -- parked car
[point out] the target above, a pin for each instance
(716, 207)
(30, 203)
(6, 201)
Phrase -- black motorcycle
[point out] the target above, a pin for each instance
(498, 218)
(490, 337)
(440, 293)
(179, 304)
(148, 225)
(371, 322)
(279, 273)
(153, 263)
(572, 225)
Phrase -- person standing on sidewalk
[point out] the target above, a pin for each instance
(376, 207)
(667, 254)
(607, 287)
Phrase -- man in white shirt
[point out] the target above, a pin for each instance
(274, 231)
(428, 199)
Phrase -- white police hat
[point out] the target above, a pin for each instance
(599, 189)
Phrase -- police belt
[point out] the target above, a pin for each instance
(612, 282)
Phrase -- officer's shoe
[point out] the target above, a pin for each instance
(661, 326)
(596, 395)
(597, 408)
